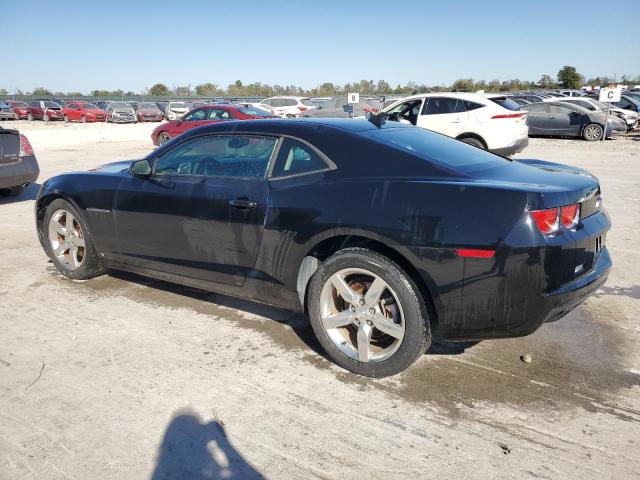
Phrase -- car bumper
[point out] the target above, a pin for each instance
(122, 119)
(513, 148)
(18, 173)
(8, 116)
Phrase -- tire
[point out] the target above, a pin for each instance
(66, 119)
(83, 119)
(592, 132)
(45, 117)
(399, 305)
(163, 137)
(89, 265)
(473, 141)
(30, 116)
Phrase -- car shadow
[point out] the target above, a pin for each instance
(298, 322)
(198, 451)
(29, 193)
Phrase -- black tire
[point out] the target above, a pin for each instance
(417, 335)
(30, 116)
(163, 137)
(66, 119)
(473, 141)
(592, 132)
(45, 117)
(83, 119)
(90, 266)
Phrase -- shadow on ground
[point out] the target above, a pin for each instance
(29, 193)
(199, 451)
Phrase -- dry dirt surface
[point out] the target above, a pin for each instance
(122, 377)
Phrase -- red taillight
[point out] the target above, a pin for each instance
(302, 109)
(546, 220)
(26, 149)
(570, 215)
(510, 115)
(475, 253)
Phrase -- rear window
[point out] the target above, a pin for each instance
(255, 111)
(505, 103)
(436, 148)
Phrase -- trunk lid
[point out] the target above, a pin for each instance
(9, 146)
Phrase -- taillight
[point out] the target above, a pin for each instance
(509, 115)
(569, 215)
(546, 220)
(302, 109)
(26, 149)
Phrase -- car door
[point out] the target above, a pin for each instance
(445, 115)
(564, 120)
(201, 212)
(193, 119)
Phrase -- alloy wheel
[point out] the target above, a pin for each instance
(66, 239)
(361, 315)
(593, 132)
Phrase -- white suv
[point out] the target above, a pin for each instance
(287, 106)
(492, 122)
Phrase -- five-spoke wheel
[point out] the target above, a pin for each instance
(66, 239)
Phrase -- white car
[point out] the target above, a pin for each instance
(630, 118)
(287, 106)
(492, 122)
(175, 110)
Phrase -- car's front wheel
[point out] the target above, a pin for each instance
(473, 141)
(30, 116)
(163, 137)
(368, 313)
(592, 132)
(68, 242)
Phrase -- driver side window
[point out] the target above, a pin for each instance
(195, 116)
(218, 156)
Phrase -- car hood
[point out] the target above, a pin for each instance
(114, 167)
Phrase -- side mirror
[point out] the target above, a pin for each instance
(141, 168)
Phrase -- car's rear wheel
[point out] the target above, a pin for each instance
(68, 242)
(473, 141)
(83, 119)
(368, 313)
(592, 132)
(30, 117)
(45, 117)
(66, 119)
(163, 137)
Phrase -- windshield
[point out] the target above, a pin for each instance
(177, 105)
(148, 106)
(19, 104)
(89, 106)
(436, 148)
(505, 102)
(255, 111)
(120, 105)
(51, 105)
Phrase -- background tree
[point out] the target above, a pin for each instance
(464, 85)
(568, 77)
(40, 92)
(159, 90)
(207, 90)
(3, 91)
(184, 91)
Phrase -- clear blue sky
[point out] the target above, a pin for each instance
(81, 45)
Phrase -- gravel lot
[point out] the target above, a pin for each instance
(123, 377)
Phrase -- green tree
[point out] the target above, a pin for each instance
(207, 90)
(568, 77)
(40, 92)
(159, 90)
(464, 85)
(3, 91)
(184, 91)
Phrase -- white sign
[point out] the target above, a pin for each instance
(353, 98)
(610, 94)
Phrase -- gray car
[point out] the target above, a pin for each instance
(563, 119)
(6, 112)
(339, 108)
(120, 112)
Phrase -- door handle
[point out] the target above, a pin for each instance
(242, 203)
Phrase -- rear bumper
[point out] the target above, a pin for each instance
(24, 171)
(513, 148)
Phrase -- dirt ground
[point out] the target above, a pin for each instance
(122, 377)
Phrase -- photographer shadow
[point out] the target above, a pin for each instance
(197, 451)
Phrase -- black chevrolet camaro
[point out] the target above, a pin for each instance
(384, 234)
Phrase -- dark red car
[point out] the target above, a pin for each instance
(19, 108)
(83, 112)
(205, 115)
(44, 110)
